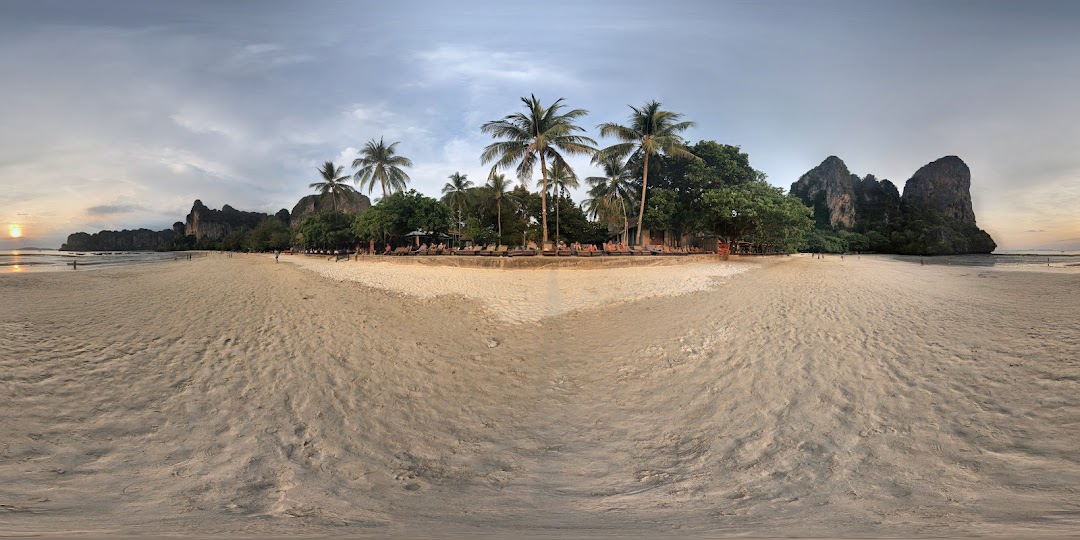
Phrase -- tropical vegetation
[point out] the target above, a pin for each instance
(651, 181)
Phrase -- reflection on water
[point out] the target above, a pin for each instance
(37, 260)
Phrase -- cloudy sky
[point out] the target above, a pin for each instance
(121, 114)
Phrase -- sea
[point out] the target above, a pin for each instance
(45, 260)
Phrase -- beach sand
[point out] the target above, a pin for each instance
(783, 396)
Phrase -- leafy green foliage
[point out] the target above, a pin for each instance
(327, 230)
(401, 213)
(756, 212)
(269, 234)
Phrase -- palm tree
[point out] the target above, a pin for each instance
(500, 187)
(456, 193)
(380, 163)
(333, 182)
(611, 194)
(650, 133)
(538, 134)
(561, 178)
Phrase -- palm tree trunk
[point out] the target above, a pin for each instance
(625, 226)
(557, 197)
(644, 185)
(543, 199)
(498, 210)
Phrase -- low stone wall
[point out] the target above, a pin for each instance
(533, 262)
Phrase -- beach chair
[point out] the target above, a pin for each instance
(549, 249)
(500, 251)
(563, 251)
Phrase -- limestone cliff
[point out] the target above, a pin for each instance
(828, 189)
(350, 203)
(125, 240)
(944, 186)
(876, 201)
(933, 217)
(206, 224)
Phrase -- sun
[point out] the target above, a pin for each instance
(14, 230)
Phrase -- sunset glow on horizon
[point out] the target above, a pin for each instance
(14, 230)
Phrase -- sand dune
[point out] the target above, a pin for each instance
(239, 396)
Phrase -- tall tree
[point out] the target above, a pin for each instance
(610, 195)
(540, 134)
(561, 179)
(651, 132)
(334, 182)
(500, 187)
(380, 163)
(456, 194)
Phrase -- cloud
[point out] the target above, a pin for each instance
(109, 209)
(486, 68)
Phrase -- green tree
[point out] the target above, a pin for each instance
(611, 195)
(757, 212)
(540, 134)
(270, 233)
(500, 188)
(327, 230)
(660, 210)
(651, 132)
(380, 163)
(456, 194)
(333, 182)
(561, 180)
(401, 213)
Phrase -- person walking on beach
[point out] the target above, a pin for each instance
(277, 254)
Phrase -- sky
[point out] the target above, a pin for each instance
(120, 114)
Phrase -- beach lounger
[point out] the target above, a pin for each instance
(549, 249)
(500, 251)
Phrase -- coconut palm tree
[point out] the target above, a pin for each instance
(651, 132)
(333, 183)
(610, 195)
(380, 163)
(538, 134)
(500, 187)
(456, 193)
(561, 179)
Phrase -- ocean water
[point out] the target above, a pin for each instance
(1010, 259)
(44, 260)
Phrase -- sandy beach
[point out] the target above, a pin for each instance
(780, 396)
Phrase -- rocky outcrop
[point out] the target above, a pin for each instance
(933, 217)
(350, 203)
(206, 224)
(828, 189)
(944, 186)
(125, 240)
(876, 201)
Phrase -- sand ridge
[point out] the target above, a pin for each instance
(528, 295)
(238, 397)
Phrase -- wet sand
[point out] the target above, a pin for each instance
(790, 396)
